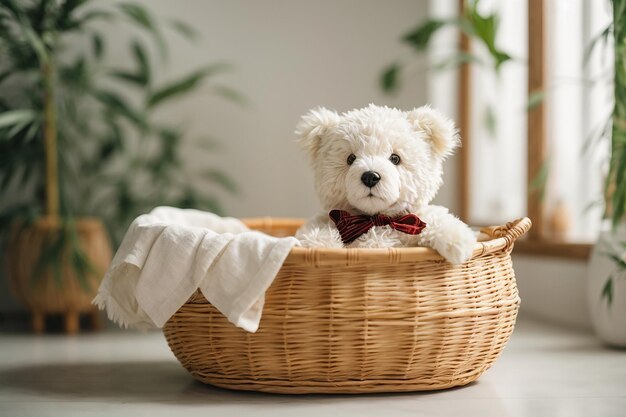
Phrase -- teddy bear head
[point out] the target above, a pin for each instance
(377, 160)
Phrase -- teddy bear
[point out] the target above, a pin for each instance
(376, 170)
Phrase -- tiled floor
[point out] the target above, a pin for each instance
(545, 371)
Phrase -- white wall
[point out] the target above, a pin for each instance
(553, 289)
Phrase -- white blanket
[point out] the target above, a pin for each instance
(170, 253)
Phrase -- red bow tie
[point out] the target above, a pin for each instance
(352, 226)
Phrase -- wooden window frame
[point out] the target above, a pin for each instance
(537, 242)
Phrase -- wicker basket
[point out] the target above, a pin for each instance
(360, 320)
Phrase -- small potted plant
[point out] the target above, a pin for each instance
(607, 267)
(79, 157)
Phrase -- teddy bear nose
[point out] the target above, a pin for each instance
(370, 178)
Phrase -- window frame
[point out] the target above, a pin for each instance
(537, 241)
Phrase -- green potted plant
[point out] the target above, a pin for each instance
(80, 156)
(607, 267)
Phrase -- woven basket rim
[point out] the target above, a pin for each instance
(500, 238)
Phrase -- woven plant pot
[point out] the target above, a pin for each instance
(360, 320)
(41, 292)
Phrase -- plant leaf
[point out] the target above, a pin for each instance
(540, 180)
(76, 75)
(490, 121)
(184, 84)
(389, 79)
(607, 291)
(5, 74)
(143, 64)
(455, 60)
(17, 128)
(535, 99)
(140, 15)
(500, 58)
(97, 45)
(184, 29)
(420, 37)
(96, 14)
(619, 262)
(221, 179)
(51, 256)
(82, 267)
(80, 262)
(602, 36)
(117, 104)
(142, 76)
(14, 117)
(129, 77)
(231, 94)
(35, 41)
(484, 29)
(64, 18)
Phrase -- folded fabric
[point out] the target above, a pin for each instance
(168, 254)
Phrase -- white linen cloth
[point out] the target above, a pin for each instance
(169, 253)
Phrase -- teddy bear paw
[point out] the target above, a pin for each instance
(320, 237)
(459, 248)
(457, 254)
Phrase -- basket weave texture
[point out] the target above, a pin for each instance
(360, 320)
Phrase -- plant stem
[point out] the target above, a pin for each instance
(615, 187)
(50, 139)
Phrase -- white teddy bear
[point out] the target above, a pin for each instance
(376, 171)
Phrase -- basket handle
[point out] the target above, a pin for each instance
(510, 231)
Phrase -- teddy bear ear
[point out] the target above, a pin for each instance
(439, 129)
(313, 125)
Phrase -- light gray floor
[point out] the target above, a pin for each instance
(544, 371)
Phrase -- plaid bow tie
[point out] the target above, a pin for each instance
(352, 226)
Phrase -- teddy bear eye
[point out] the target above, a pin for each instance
(394, 158)
(351, 158)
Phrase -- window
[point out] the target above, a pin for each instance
(532, 132)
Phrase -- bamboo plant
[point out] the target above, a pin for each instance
(615, 195)
(74, 138)
(615, 186)
(480, 27)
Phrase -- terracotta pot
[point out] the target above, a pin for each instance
(42, 292)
